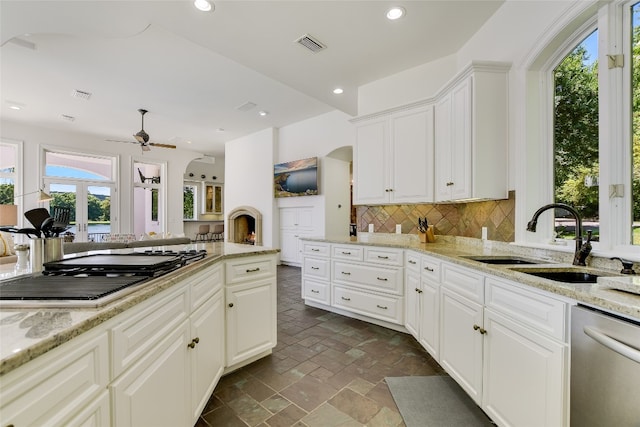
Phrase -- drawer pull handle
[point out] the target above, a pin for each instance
(449, 184)
(479, 329)
(346, 299)
(253, 270)
(315, 250)
(346, 273)
(383, 257)
(412, 262)
(346, 253)
(382, 306)
(315, 268)
(382, 279)
(429, 269)
(314, 291)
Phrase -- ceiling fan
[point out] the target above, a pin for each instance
(142, 137)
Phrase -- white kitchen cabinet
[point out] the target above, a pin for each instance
(460, 342)
(250, 308)
(207, 353)
(471, 135)
(524, 373)
(295, 223)
(169, 356)
(393, 158)
(66, 386)
(413, 302)
(316, 272)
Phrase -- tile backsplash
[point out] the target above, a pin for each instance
(455, 219)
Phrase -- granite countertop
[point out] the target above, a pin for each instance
(28, 332)
(614, 293)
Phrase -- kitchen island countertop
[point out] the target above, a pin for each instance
(26, 333)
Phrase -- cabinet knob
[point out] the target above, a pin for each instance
(230, 304)
(196, 340)
(191, 344)
(479, 329)
(418, 291)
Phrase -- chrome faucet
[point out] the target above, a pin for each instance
(582, 250)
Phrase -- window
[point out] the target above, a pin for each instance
(190, 197)
(8, 173)
(600, 179)
(575, 137)
(148, 201)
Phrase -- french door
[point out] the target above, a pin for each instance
(93, 213)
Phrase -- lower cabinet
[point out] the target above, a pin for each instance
(67, 386)
(251, 312)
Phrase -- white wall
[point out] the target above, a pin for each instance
(35, 138)
(249, 179)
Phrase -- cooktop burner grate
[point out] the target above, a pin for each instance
(65, 287)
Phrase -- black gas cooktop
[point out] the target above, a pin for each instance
(92, 277)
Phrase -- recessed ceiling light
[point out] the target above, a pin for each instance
(203, 5)
(338, 90)
(395, 12)
(15, 107)
(263, 113)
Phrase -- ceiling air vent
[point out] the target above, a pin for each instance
(246, 106)
(67, 117)
(314, 45)
(81, 94)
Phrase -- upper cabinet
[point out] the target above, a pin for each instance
(449, 148)
(393, 159)
(471, 136)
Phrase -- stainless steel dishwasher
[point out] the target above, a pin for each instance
(605, 369)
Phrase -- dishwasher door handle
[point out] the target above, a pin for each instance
(613, 344)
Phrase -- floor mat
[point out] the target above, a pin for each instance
(435, 401)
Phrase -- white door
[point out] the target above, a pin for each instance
(92, 207)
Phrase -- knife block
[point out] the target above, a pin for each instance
(428, 237)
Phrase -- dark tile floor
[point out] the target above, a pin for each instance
(327, 370)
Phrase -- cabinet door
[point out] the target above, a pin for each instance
(430, 318)
(289, 242)
(207, 355)
(288, 218)
(460, 343)
(524, 373)
(442, 167)
(412, 154)
(412, 294)
(156, 390)
(371, 166)
(251, 319)
(461, 140)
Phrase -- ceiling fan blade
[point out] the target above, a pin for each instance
(155, 144)
(119, 140)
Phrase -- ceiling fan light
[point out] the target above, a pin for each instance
(395, 12)
(202, 5)
(142, 137)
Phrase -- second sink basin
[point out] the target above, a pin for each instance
(503, 259)
(565, 276)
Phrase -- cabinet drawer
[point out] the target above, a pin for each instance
(351, 252)
(136, 335)
(430, 269)
(412, 261)
(316, 291)
(383, 279)
(316, 249)
(252, 268)
(316, 267)
(55, 387)
(204, 285)
(466, 282)
(545, 314)
(384, 307)
(386, 256)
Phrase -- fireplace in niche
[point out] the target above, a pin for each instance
(245, 226)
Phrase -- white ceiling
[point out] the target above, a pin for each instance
(192, 69)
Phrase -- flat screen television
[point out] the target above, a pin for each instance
(296, 178)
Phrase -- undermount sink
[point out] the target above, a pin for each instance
(565, 276)
(503, 259)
